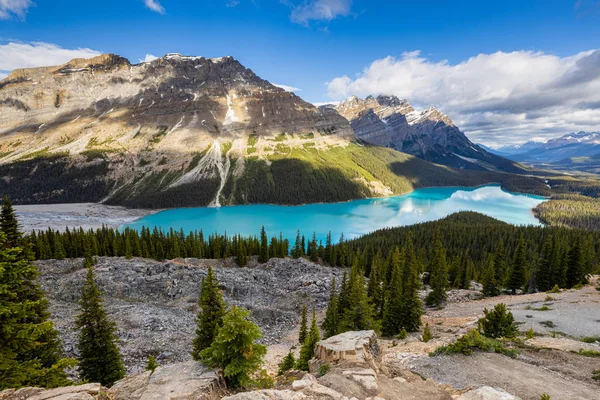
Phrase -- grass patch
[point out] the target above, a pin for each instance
(542, 308)
(591, 339)
(588, 353)
(473, 341)
(596, 375)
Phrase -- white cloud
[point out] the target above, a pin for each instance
(232, 3)
(287, 88)
(16, 7)
(495, 98)
(155, 6)
(149, 57)
(325, 103)
(318, 10)
(15, 55)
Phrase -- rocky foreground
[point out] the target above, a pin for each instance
(153, 304)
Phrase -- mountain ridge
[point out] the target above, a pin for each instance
(428, 134)
(189, 131)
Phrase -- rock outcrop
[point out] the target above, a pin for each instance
(183, 381)
(90, 391)
(429, 134)
(353, 347)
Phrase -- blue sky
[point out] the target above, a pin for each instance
(332, 48)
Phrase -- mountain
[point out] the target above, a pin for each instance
(190, 131)
(518, 148)
(572, 145)
(429, 134)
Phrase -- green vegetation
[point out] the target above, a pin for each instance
(287, 364)
(30, 351)
(596, 375)
(473, 340)
(427, 335)
(100, 359)
(308, 347)
(210, 317)
(589, 353)
(497, 323)
(303, 326)
(234, 348)
(591, 339)
(151, 364)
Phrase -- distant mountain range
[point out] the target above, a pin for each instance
(579, 150)
(195, 131)
(428, 134)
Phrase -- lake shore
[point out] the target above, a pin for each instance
(76, 215)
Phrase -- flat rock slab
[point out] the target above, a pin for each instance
(488, 393)
(82, 392)
(182, 381)
(358, 346)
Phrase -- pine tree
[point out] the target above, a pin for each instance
(375, 286)
(287, 364)
(151, 364)
(307, 350)
(303, 326)
(210, 317)
(331, 322)
(575, 265)
(30, 352)
(439, 273)
(544, 268)
(516, 278)
(100, 359)
(263, 257)
(241, 256)
(488, 281)
(392, 313)
(360, 315)
(9, 224)
(497, 323)
(411, 308)
(234, 348)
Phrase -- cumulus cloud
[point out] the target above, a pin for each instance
(18, 8)
(15, 55)
(149, 57)
(155, 6)
(496, 98)
(318, 10)
(287, 88)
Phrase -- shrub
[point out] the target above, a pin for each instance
(402, 335)
(549, 298)
(263, 380)
(473, 340)
(554, 289)
(545, 397)
(548, 324)
(288, 363)
(151, 364)
(530, 333)
(498, 323)
(542, 308)
(596, 375)
(323, 369)
(427, 336)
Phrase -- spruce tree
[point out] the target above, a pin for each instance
(516, 278)
(575, 265)
(210, 317)
(30, 353)
(9, 224)
(392, 313)
(544, 269)
(439, 273)
(100, 359)
(303, 326)
(411, 308)
(331, 322)
(375, 286)
(488, 281)
(307, 350)
(360, 315)
(263, 257)
(241, 256)
(234, 348)
(287, 364)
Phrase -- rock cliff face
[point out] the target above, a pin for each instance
(429, 134)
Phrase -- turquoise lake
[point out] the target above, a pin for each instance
(353, 218)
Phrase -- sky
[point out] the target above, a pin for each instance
(504, 71)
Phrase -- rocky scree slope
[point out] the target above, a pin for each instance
(429, 134)
(154, 303)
